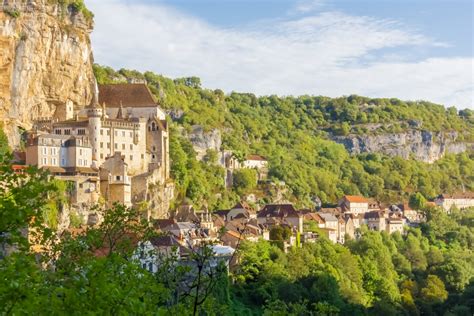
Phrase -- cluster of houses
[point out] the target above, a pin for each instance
(187, 228)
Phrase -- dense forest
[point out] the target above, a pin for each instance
(293, 133)
(427, 271)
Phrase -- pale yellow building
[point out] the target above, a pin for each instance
(124, 128)
(460, 200)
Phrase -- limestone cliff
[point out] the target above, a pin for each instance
(46, 62)
(422, 145)
(202, 141)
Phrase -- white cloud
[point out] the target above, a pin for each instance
(305, 6)
(323, 54)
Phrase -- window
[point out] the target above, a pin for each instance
(108, 132)
(131, 157)
(101, 132)
(85, 162)
(108, 145)
(101, 145)
(67, 132)
(153, 156)
(80, 152)
(131, 146)
(117, 178)
(45, 161)
(53, 161)
(45, 151)
(53, 151)
(123, 146)
(57, 132)
(131, 134)
(123, 133)
(116, 146)
(81, 131)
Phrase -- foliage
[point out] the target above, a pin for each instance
(293, 133)
(12, 12)
(244, 180)
(4, 147)
(427, 271)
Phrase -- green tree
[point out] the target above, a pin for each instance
(244, 180)
(417, 201)
(434, 291)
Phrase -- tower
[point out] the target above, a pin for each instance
(94, 114)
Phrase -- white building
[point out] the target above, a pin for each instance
(459, 200)
(353, 204)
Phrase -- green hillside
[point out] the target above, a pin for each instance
(292, 132)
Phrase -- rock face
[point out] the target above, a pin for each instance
(202, 141)
(422, 145)
(46, 62)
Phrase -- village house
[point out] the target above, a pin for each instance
(460, 200)
(281, 214)
(353, 204)
(230, 162)
(240, 210)
(375, 220)
(330, 233)
(328, 223)
(395, 224)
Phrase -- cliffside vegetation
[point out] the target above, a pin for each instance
(428, 271)
(292, 133)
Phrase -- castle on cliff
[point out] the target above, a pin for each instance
(116, 149)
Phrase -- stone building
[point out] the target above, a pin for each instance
(460, 200)
(122, 137)
(353, 204)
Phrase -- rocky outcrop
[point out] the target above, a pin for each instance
(46, 62)
(422, 145)
(202, 141)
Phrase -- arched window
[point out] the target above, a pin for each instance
(153, 126)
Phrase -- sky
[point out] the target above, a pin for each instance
(408, 49)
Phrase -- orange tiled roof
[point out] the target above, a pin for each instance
(127, 95)
(459, 195)
(356, 199)
(234, 234)
(256, 157)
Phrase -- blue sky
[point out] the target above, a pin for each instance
(411, 49)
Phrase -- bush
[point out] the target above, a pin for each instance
(244, 180)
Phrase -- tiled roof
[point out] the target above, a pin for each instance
(54, 169)
(278, 210)
(164, 241)
(127, 95)
(242, 205)
(162, 223)
(234, 234)
(458, 195)
(256, 157)
(327, 217)
(356, 199)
